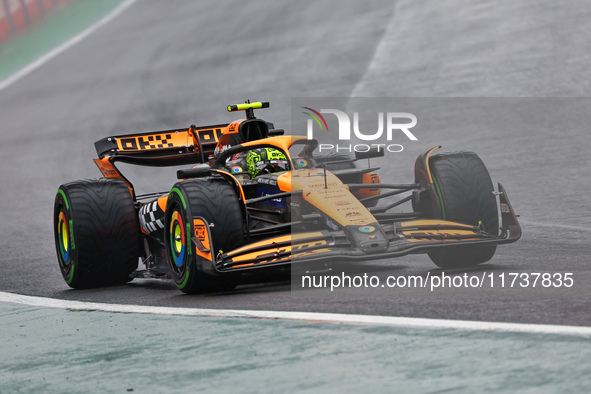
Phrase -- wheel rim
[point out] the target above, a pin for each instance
(65, 243)
(177, 239)
(63, 237)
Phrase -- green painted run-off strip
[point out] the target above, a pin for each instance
(58, 27)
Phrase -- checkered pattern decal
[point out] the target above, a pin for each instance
(157, 141)
(151, 217)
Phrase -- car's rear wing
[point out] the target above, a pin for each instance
(189, 146)
(162, 148)
(192, 145)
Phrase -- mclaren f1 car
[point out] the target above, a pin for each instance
(252, 198)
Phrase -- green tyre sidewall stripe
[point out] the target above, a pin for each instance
(440, 197)
(72, 268)
(189, 232)
(186, 280)
(72, 243)
(63, 194)
(178, 192)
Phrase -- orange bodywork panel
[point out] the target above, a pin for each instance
(110, 171)
(339, 204)
(291, 257)
(336, 201)
(284, 238)
(293, 238)
(162, 203)
(283, 142)
(233, 127)
(369, 178)
(423, 235)
(436, 235)
(308, 179)
(107, 168)
(202, 234)
(295, 248)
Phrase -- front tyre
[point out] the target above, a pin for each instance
(465, 195)
(217, 203)
(96, 232)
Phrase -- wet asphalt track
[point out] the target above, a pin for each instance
(158, 67)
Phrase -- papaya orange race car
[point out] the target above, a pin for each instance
(253, 198)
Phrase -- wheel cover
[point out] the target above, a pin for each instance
(63, 236)
(177, 238)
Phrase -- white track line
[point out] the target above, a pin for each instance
(300, 316)
(65, 46)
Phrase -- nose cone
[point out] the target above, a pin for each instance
(374, 246)
(369, 238)
(331, 197)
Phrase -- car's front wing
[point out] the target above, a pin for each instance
(405, 237)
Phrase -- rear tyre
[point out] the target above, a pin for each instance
(96, 233)
(465, 195)
(216, 202)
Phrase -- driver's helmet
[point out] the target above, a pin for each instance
(266, 160)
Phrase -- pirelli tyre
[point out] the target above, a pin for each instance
(215, 201)
(96, 229)
(464, 192)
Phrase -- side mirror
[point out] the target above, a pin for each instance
(371, 153)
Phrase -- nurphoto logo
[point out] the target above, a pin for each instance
(397, 124)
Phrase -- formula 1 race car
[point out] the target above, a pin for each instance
(253, 198)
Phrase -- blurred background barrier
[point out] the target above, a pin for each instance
(20, 16)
